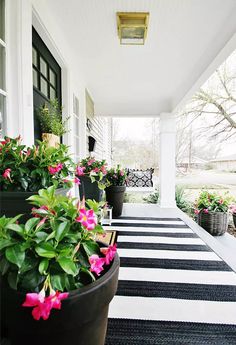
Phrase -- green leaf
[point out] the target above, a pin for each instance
(13, 279)
(16, 228)
(6, 243)
(68, 266)
(58, 281)
(41, 236)
(32, 280)
(13, 220)
(46, 250)
(91, 247)
(15, 255)
(24, 183)
(4, 265)
(50, 236)
(85, 270)
(30, 224)
(28, 264)
(62, 230)
(43, 266)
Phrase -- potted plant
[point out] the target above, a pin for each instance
(91, 173)
(116, 179)
(25, 170)
(52, 262)
(212, 212)
(51, 122)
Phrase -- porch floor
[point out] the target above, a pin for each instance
(175, 282)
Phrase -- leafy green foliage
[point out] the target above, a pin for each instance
(212, 202)
(96, 170)
(181, 201)
(52, 244)
(50, 118)
(116, 176)
(29, 166)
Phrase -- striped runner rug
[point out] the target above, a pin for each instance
(173, 289)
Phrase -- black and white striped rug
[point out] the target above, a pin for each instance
(173, 289)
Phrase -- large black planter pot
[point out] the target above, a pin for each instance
(216, 223)
(13, 203)
(115, 198)
(82, 319)
(89, 190)
(234, 219)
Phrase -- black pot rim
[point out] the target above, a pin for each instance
(90, 288)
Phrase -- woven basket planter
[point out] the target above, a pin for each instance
(234, 219)
(216, 223)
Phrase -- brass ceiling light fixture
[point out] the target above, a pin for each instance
(132, 27)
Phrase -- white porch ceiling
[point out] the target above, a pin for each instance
(183, 38)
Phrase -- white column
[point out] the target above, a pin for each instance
(19, 70)
(167, 160)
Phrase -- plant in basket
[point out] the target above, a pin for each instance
(212, 211)
(91, 173)
(116, 180)
(47, 263)
(24, 170)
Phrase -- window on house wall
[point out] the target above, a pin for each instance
(2, 70)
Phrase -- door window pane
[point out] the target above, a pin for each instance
(35, 78)
(44, 86)
(34, 57)
(52, 93)
(43, 67)
(2, 68)
(2, 20)
(2, 117)
(52, 78)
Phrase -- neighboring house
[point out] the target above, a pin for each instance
(196, 163)
(227, 163)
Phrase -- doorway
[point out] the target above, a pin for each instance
(46, 78)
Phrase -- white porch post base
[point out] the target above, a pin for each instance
(167, 160)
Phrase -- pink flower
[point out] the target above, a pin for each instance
(7, 174)
(87, 218)
(55, 299)
(41, 307)
(109, 253)
(221, 201)
(28, 152)
(103, 170)
(91, 161)
(55, 169)
(96, 264)
(66, 180)
(80, 170)
(205, 210)
(77, 181)
(34, 210)
(96, 170)
(196, 211)
(121, 173)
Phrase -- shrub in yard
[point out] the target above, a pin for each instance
(181, 202)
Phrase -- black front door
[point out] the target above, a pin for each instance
(46, 78)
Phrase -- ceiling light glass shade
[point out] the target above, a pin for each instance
(132, 27)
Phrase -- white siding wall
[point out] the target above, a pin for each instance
(101, 131)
